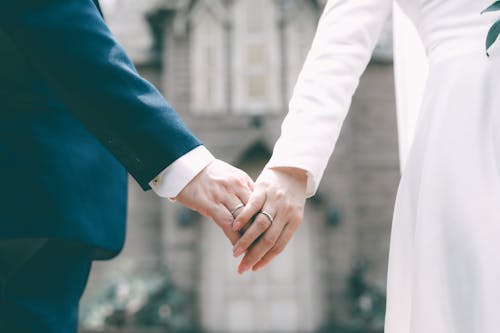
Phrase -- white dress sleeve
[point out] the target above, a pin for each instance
(346, 36)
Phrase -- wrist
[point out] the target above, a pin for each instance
(297, 175)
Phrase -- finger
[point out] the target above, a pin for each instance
(223, 218)
(231, 235)
(243, 193)
(258, 227)
(253, 206)
(246, 226)
(250, 184)
(243, 188)
(233, 205)
(280, 245)
(263, 245)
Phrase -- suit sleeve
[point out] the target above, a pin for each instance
(69, 44)
(346, 36)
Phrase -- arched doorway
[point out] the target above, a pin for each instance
(284, 297)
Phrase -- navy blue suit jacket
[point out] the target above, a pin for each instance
(74, 116)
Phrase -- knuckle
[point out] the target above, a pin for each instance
(291, 208)
(245, 179)
(244, 243)
(250, 206)
(226, 224)
(244, 217)
(264, 184)
(216, 195)
(268, 242)
(262, 224)
(226, 183)
(253, 204)
(287, 208)
(294, 209)
(279, 194)
(224, 220)
(234, 178)
(279, 248)
(240, 219)
(238, 181)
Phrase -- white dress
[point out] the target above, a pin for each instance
(444, 265)
(411, 69)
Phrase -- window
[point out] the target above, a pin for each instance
(300, 28)
(208, 64)
(256, 49)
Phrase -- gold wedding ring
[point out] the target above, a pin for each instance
(266, 214)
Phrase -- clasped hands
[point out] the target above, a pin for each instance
(258, 218)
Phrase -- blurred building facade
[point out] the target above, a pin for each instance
(229, 67)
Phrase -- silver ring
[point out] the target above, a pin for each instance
(266, 214)
(235, 209)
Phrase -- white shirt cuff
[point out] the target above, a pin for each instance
(171, 181)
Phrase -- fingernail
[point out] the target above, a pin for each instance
(242, 269)
(238, 251)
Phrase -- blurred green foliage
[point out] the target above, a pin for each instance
(144, 299)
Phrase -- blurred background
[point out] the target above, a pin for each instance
(229, 67)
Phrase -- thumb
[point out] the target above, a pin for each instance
(253, 206)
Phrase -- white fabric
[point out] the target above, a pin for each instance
(171, 181)
(411, 70)
(444, 272)
(347, 33)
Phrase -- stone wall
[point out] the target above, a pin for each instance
(351, 215)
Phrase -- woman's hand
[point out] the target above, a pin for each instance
(277, 206)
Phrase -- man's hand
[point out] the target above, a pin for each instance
(216, 192)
